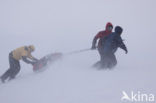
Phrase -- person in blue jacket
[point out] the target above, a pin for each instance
(111, 44)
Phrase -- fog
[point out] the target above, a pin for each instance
(65, 26)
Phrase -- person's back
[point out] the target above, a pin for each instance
(19, 52)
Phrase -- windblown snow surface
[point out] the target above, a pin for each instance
(69, 25)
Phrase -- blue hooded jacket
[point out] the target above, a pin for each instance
(114, 41)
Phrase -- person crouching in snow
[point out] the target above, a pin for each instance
(15, 56)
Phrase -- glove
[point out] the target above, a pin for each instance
(126, 51)
(35, 60)
(32, 63)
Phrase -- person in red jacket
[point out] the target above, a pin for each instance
(102, 36)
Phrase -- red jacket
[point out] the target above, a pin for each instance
(100, 35)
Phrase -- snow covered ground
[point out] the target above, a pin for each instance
(65, 26)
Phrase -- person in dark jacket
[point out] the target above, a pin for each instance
(15, 56)
(101, 36)
(111, 44)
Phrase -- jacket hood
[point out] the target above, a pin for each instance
(118, 30)
(108, 24)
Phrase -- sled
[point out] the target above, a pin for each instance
(44, 61)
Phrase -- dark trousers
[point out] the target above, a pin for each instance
(13, 70)
(102, 54)
(107, 60)
(111, 60)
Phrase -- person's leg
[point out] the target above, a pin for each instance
(5, 75)
(98, 63)
(15, 70)
(104, 58)
(112, 62)
(100, 53)
(9, 71)
(105, 61)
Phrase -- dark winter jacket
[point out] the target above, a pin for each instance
(114, 41)
(101, 35)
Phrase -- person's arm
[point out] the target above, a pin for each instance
(94, 43)
(122, 45)
(32, 58)
(24, 58)
(95, 40)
